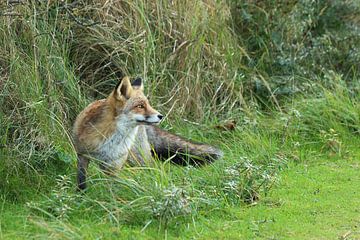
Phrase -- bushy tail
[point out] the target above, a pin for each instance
(183, 152)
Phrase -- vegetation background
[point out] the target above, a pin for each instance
(275, 84)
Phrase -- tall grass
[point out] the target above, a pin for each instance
(40, 97)
(186, 51)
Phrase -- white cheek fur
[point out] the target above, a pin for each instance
(153, 119)
(139, 117)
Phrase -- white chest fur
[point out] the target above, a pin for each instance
(115, 149)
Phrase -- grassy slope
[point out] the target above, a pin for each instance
(315, 199)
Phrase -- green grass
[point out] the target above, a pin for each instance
(315, 199)
(287, 74)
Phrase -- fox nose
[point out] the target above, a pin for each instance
(160, 116)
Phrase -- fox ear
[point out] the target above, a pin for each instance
(123, 88)
(138, 83)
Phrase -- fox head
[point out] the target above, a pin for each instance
(130, 103)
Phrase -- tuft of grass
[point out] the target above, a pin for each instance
(334, 113)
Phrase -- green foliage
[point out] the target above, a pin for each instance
(291, 44)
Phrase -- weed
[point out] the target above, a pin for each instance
(245, 180)
(331, 141)
(59, 203)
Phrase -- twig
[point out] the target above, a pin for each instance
(10, 15)
(77, 20)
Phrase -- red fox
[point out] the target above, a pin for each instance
(122, 128)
